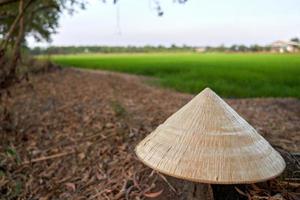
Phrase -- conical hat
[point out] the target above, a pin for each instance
(207, 141)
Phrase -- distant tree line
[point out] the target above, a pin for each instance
(145, 49)
(151, 49)
(239, 48)
(108, 49)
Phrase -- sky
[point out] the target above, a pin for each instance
(195, 23)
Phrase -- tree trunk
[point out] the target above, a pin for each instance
(17, 46)
(9, 72)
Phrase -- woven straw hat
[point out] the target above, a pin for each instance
(207, 141)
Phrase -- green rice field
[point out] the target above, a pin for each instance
(230, 75)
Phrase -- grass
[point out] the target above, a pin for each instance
(230, 75)
(119, 110)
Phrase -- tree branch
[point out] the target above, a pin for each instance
(14, 25)
(5, 2)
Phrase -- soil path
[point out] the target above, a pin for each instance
(75, 131)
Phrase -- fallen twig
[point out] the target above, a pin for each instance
(48, 157)
(292, 179)
(122, 192)
(169, 184)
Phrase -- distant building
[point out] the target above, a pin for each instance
(200, 49)
(285, 47)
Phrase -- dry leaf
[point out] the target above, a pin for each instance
(277, 197)
(153, 194)
(81, 156)
(240, 191)
(70, 186)
(109, 125)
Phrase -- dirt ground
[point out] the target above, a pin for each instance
(74, 134)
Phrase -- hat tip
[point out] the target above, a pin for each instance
(208, 92)
(207, 89)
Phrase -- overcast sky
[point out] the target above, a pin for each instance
(197, 23)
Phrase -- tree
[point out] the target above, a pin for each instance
(295, 39)
(255, 48)
(20, 18)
